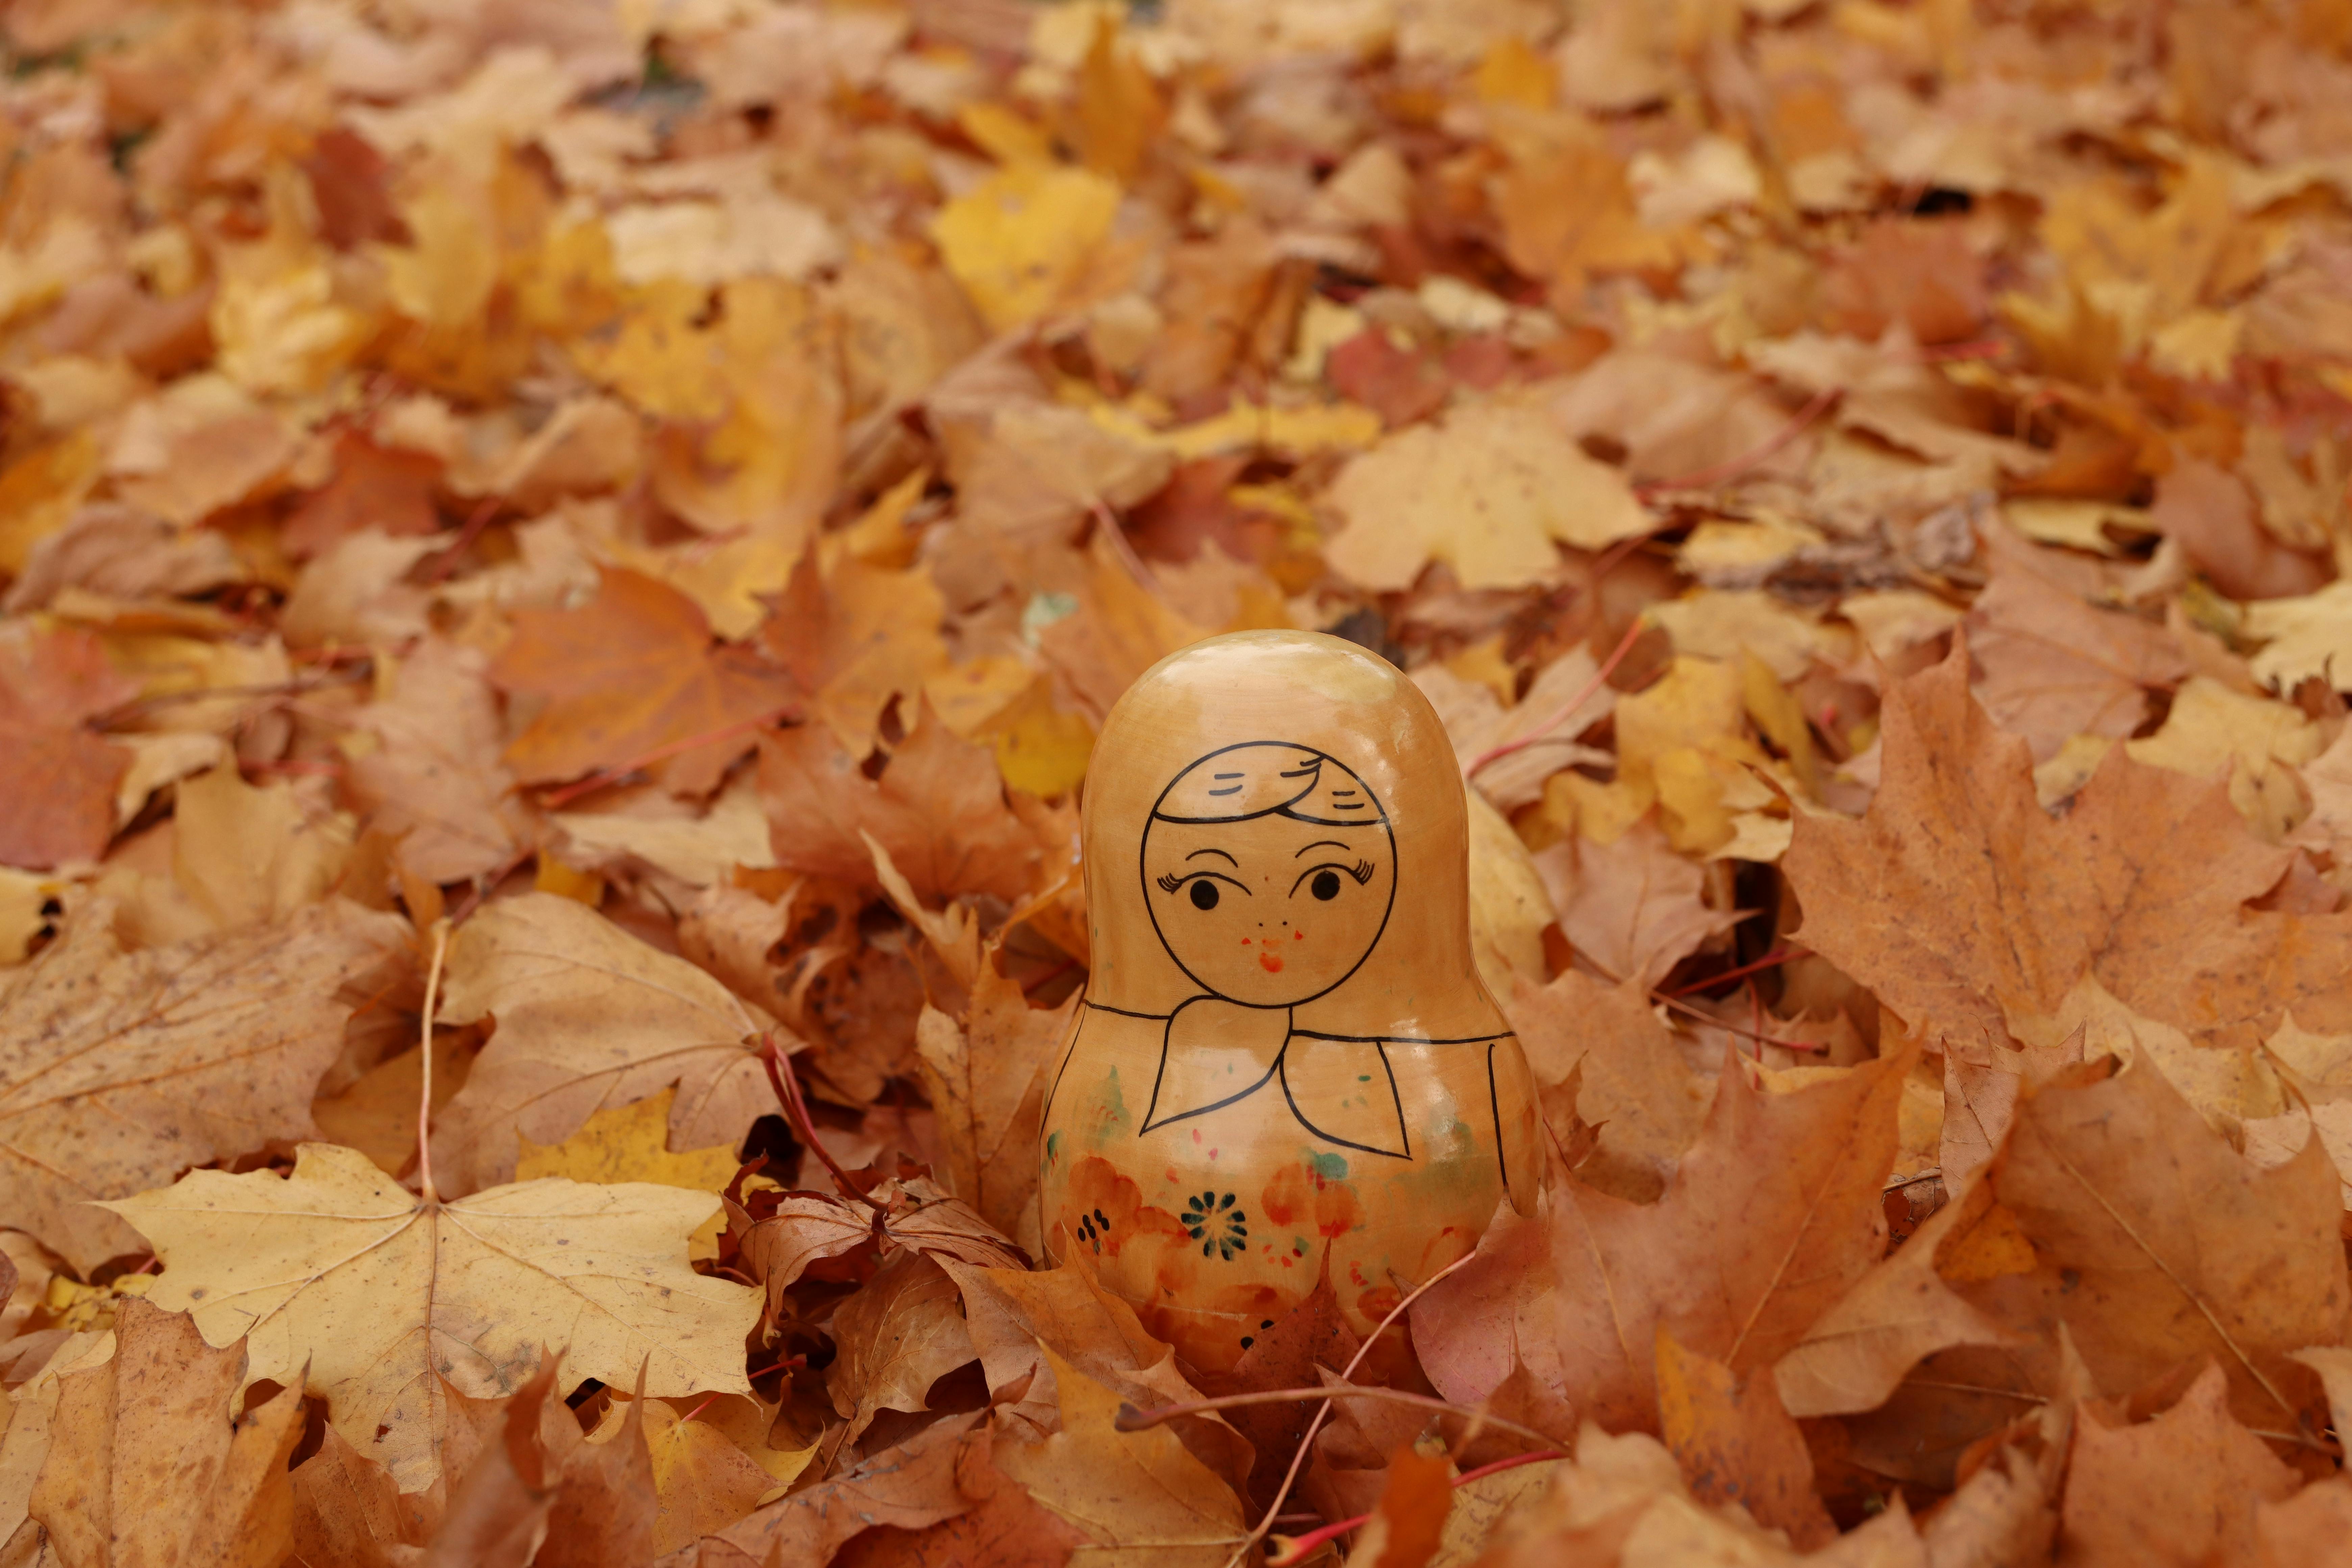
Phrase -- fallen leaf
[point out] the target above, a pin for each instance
(1005, 1528)
(499, 1509)
(338, 1268)
(902, 1332)
(2142, 885)
(628, 1143)
(938, 810)
(347, 1510)
(432, 777)
(119, 1070)
(2303, 638)
(1409, 1525)
(2094, 1173)
(152, 1458)
(250, 856)
(605, 1512)
(2056, 668)
(1125, 1490)
(588, 1017)
(377, 1114)
(2183, 1488)
(1736, 1444)
(1631, 1082)
(1488, 492)
(1019, 239)
(57, 778)
(1852, 1358)
(855, 638)
(1015, 1316)
(632, 674)
(1771, 1216)
(1290, 1351)
(2306, 1527)
(908, 1486)
(807, 1226)
(704, 1483)
(985, 1079)
(1632, 906)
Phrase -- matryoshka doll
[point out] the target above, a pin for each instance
(1283, 1050)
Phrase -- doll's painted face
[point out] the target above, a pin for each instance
(1269, 869)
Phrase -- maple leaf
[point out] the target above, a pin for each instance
(1896, 1315)
(2168, 1243)
(1005, 1528)
(1958, 897)
(57, 778)
(151, 1460)
(902, 1332)
(1016, 1315)
(856, 636)
(628, 1143)
(1409, 1526)
(1488, 492)
(1600, 1056)
(804, 1228)
(908, 1486)
(1771, 1217)
(1126, 1489)
(383, 1294)
(1285, 1353)
(703, 1483)
(2056, 668)
(433, 777)
(986, 1080)
(1737, 1444)
(588, 1017)
(1019, 239)
(631, 674)
(119, 1070)
(937, 811)
(2183, 1488)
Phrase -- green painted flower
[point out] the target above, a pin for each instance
(1222, 1229)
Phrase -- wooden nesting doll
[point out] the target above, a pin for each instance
(1283, 1050)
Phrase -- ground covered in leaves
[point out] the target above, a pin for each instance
(563, 561)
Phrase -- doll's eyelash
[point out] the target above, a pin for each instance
(1362, 871)
(1169, 882)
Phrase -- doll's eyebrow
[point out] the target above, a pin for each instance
(1229, 859)
(1321, 844)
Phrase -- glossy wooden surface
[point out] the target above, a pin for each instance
(1284, 1047)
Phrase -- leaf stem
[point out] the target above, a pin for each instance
(1130, 1419)
(424, 1090)
(1561, 715)
(1820, 404)
(1323, 1412)
(796, 1112)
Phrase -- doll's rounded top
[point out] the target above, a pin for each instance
(1277, 820)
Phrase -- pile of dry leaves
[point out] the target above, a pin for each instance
(563, 562)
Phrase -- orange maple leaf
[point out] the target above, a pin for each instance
(629, 675)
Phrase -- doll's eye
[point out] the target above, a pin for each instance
(1205, 892)
(1323, 881)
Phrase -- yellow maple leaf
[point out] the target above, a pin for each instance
(1488, 492)
(628, 1143)
(392, 1300)
(1018, 239)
